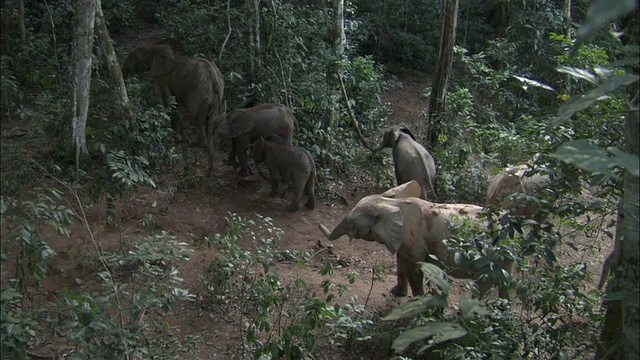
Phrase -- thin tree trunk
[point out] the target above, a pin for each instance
(81, 75)
(23, 29)
(336, 39)
(115, 73)
(443, 68)
(620, 337)
(253, 10)
(629, 226)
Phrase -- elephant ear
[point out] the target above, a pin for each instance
(275, 138)
(387, 226)
(237, 123)
(163, 60)
(408, 189)
(389, 138)
(408, 132)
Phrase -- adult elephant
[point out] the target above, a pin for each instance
(411, 161)
(196, 83)
(244, 126)
(414, 230)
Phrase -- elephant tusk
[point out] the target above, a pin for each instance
(324, 230)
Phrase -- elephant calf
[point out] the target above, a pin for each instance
(411, 161)
(289, 164)
(414, 230)
(516, 180)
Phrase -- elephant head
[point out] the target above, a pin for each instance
(159, 59)
(391, 136)
(376, 221)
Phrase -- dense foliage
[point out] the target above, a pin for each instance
(502, 96)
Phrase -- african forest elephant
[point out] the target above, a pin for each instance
(411, 160)
(287, 164)
(196, 82)
(244, 126)
(414, 230)
(505, 186)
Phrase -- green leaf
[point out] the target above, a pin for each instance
(470, 307)
(605, 10)
(587, 156)
(440, 332)
(583, 101)
(416, 306)
(625, 160)
(579, 73)
(436, 276)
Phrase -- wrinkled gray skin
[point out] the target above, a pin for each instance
(245, 126)
(414, 230)
(287, 164)
(504, 188)
(411, 160)
(196, 83)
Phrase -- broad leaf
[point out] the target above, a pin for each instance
(469, 307)
(587, 156)
(440, 332)
(579, 73)
(583, 101)
(605, 10)
(436, 276)
(416, 306)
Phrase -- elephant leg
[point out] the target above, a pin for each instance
(416, 281)
(176, 124)
(200, 119)
(231, 160)
(275, 183)
(310, 191)
(298, 188)
(241, 148)
(403, 277)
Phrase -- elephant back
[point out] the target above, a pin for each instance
(273, 119)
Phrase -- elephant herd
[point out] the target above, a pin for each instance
(198, 87)
(402, 218)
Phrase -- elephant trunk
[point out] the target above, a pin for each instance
(340, 230)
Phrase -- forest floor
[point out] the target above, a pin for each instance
(196, 212)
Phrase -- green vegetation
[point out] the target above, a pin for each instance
(523, 90)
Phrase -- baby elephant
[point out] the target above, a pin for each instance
(289, 164)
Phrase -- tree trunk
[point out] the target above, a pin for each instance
(23, 29)
(81, 75)
(629, 226)
(443, 68)
(115, 73)
(253, 13)
(620, 337)
(336, 40)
